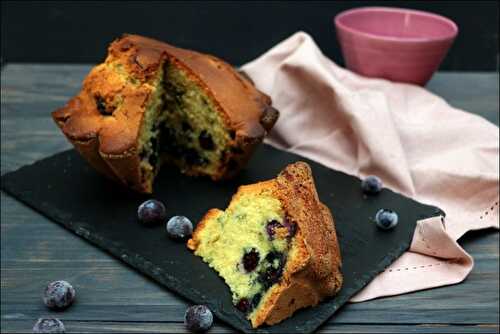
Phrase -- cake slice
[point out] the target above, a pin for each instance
(151, 103)
(275, 246)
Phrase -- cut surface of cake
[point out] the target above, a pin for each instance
(151, 103)
(275, 246)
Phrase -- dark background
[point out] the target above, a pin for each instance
(79, 32)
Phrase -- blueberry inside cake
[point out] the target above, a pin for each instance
(151, 103)
(275, 246)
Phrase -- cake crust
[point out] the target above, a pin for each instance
(105, 130)
(314, 271)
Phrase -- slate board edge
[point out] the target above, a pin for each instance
(149, 269)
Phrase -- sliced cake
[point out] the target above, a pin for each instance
(151, 103)
(275, 246)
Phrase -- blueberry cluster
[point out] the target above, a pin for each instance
(170, 144)
(269, 273)
(272, 269)
(384, 219)
(153, 212)
(58, 295)
(271, 266)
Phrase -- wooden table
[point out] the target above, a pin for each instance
(114, 297)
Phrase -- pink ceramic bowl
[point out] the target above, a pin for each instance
(394, 43)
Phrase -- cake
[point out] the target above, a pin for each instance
(275, 246)
(151, 103)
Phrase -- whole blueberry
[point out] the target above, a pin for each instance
(243, 305)
(371, 185)
(250, 260)
(179, 227)
(271, 228)
(198, 318)
(274, 225)
(59, 295)
(386, 219)
(48, 325)
(151, 212)
(205, 140)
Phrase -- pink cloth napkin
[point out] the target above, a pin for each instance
(412, 139)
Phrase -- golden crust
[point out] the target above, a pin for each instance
(193, 243)
(312, 273)
(124, 84)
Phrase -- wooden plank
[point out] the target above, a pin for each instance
(177, 327)
(113, 297)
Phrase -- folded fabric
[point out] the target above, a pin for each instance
(412, 139)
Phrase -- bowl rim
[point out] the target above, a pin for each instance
(341, 26)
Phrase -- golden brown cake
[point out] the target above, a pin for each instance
(151, 103)
(275, 246)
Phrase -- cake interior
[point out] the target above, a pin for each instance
(181, 126)
(248, 245)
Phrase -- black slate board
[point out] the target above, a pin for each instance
(64, 188)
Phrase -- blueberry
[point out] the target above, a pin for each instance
(386, 219)
(291, 227)
(243, 305)
(59, 295)
(276, 258)
(198, 318)
(151, 212)
(179, 227)
(273, 271)
(250, 260)
(371, 185)
(206, 141)
(101, 105)
(48, 325)
(271, 228)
